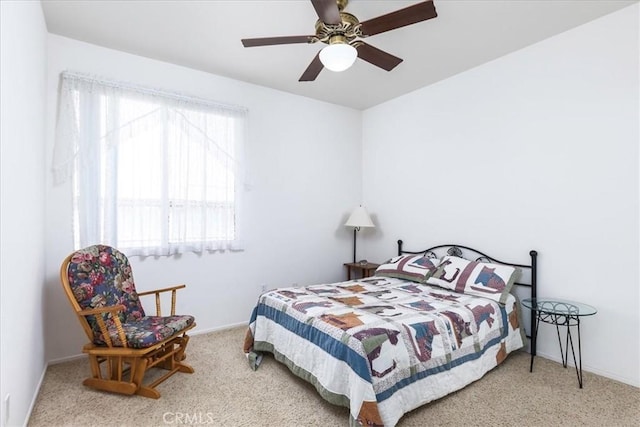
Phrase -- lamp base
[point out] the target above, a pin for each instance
(355, 231)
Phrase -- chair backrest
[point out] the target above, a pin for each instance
(100, 276)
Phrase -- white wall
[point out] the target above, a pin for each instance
(535, 150)
(22, 84)
(304, 165)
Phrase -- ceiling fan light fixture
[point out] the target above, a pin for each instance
(338, 56)
(342, 32)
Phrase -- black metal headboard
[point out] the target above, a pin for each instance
(476, 255)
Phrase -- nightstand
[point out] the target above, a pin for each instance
(560, 313)
(365, 270)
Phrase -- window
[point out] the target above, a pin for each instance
(153, 173)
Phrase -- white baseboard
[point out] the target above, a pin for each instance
(218, 328)
(35, 395)
(65, 359)
(591, 369)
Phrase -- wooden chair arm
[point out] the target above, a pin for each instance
(113, 310)
(157, 293)
(161, 290)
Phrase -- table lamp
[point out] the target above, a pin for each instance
(359, 218)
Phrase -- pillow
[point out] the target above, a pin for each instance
(416, 268)
(493, 281)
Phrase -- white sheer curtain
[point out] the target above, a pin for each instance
(153, 172)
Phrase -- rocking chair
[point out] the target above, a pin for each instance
(124, 343)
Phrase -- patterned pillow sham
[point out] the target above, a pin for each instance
(493, 281)
(416, 268)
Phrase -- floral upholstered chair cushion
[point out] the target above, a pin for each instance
(148, 331)
(100, 276)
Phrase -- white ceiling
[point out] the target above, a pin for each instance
(205, 35)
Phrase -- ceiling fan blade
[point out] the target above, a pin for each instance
(268, 41)
(312, 70)
(327, 11)
(400, 18)
(377, 57)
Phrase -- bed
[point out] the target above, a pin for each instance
(428, 323)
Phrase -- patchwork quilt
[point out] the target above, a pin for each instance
(382, 346)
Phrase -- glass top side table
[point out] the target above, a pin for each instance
(560, 312)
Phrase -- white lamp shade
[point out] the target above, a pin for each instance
(338, 56)
(359, 218)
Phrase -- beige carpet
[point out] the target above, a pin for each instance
(224, 391)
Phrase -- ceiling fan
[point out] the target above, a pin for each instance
(342, 32)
